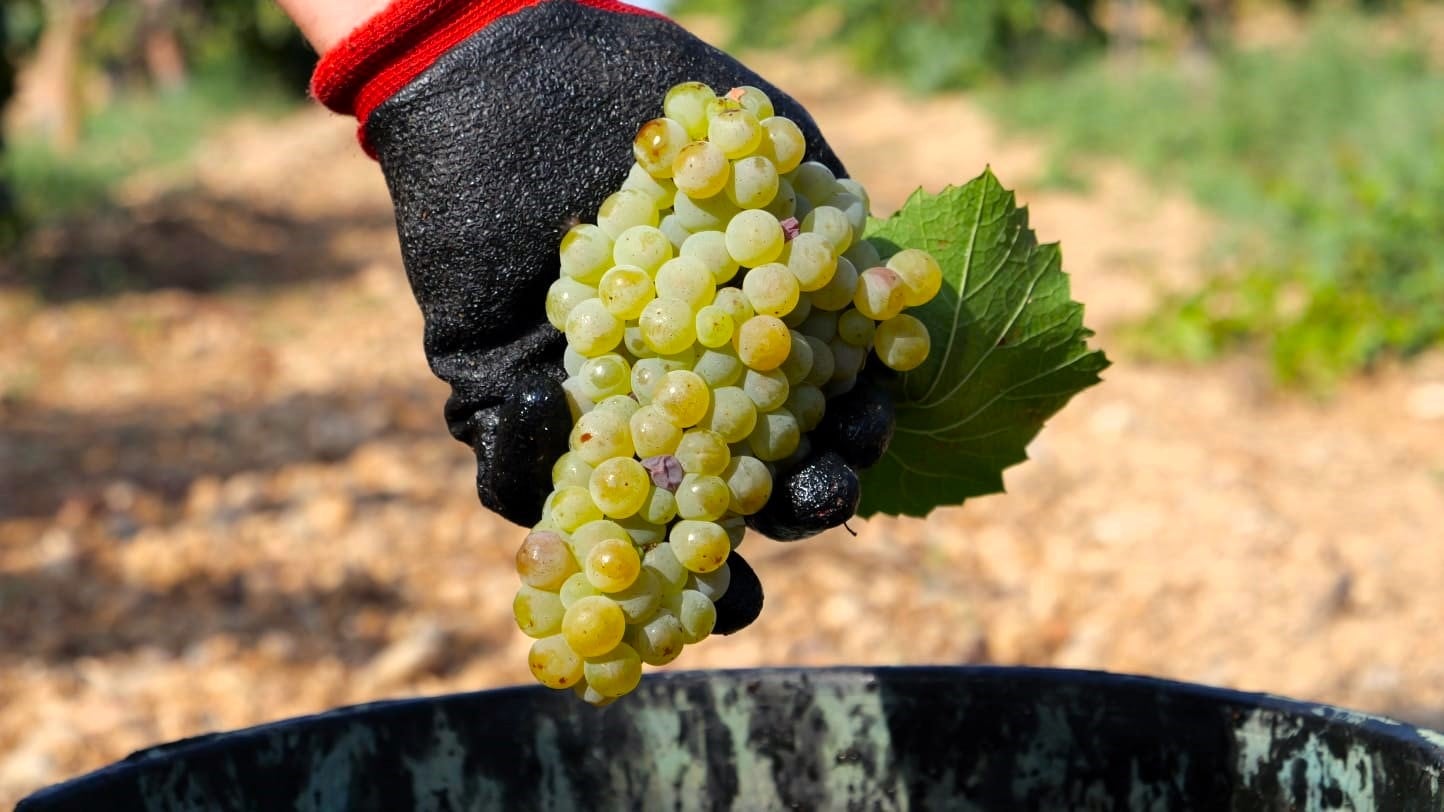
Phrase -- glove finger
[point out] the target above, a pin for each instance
(742, 602)
(819, 494)
(858, 424)
(516, 443)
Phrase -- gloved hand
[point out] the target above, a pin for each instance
(498, 125)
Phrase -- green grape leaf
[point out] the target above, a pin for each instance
(1009, 350)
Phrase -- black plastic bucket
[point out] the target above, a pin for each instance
(845, 738)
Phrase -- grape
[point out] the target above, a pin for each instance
(625, 290)
(646, 247)
(553, 662)
(601, 435)
(662, 562)
(855, 328)
(660, 506)
(625, 209)
(821, 324)
(811, 259)
(714, 326)
(586, 252)
(799, 314)
(622, 405)
(921, 275)
(576, 587)
(640, 600)
(703, 451)
(700, 546)
(903, 342)
(783, 142)
(754, 237)
(771, 289)
(823, 364)
(753, 182)
(700, 170)
(750, 484)
(682, 397)
(801, 207)
(643, 532)
(577, 403)
(675, 231)
(718, 367)
(736, 528)
(814, 181)
(784, 201)
(847, 360)
(687, 105)
(612, 564)
(697, 615)
(572, 361)
(584, 538)
(571, 469)
(619, 486)
(839, 291)
(668, 325)
(799, 360)
(862, 254)
(647, 376)
(713, 585)
(719, 105)
(752, 99)
(686, 279)
(657, 144)
(660, 640)
(767, 390)
(635, 344)
(808, 404)
(704, 214)
(735, 132)
(702, 497)
(538, 612)
(653, 433)
(731, 414)
(851, 207)
(831, 223)
(591, 330)
(763, 342)
(544, 561)
(880, 294)
(615, 673)
(775, 436)
(564, 295)
(856, 189)
(593, 625)
(660, 190)
(711, 248)
(571, 508)
(735, 303)
(605, 376)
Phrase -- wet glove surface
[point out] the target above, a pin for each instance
(491, 153)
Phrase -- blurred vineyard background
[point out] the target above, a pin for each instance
(226, 494)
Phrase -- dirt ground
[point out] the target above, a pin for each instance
(228, 497)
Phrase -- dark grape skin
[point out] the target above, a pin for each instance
(819, 494)
(858, 425)
(742, 602)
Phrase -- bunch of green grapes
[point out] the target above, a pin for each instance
(709, 312)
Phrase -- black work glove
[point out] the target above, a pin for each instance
(517, 130)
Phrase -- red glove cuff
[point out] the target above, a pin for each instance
(382, 56)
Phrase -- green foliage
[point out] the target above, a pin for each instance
(1327, 161)
(1009, 350)
(931, 44)
(138, 131)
